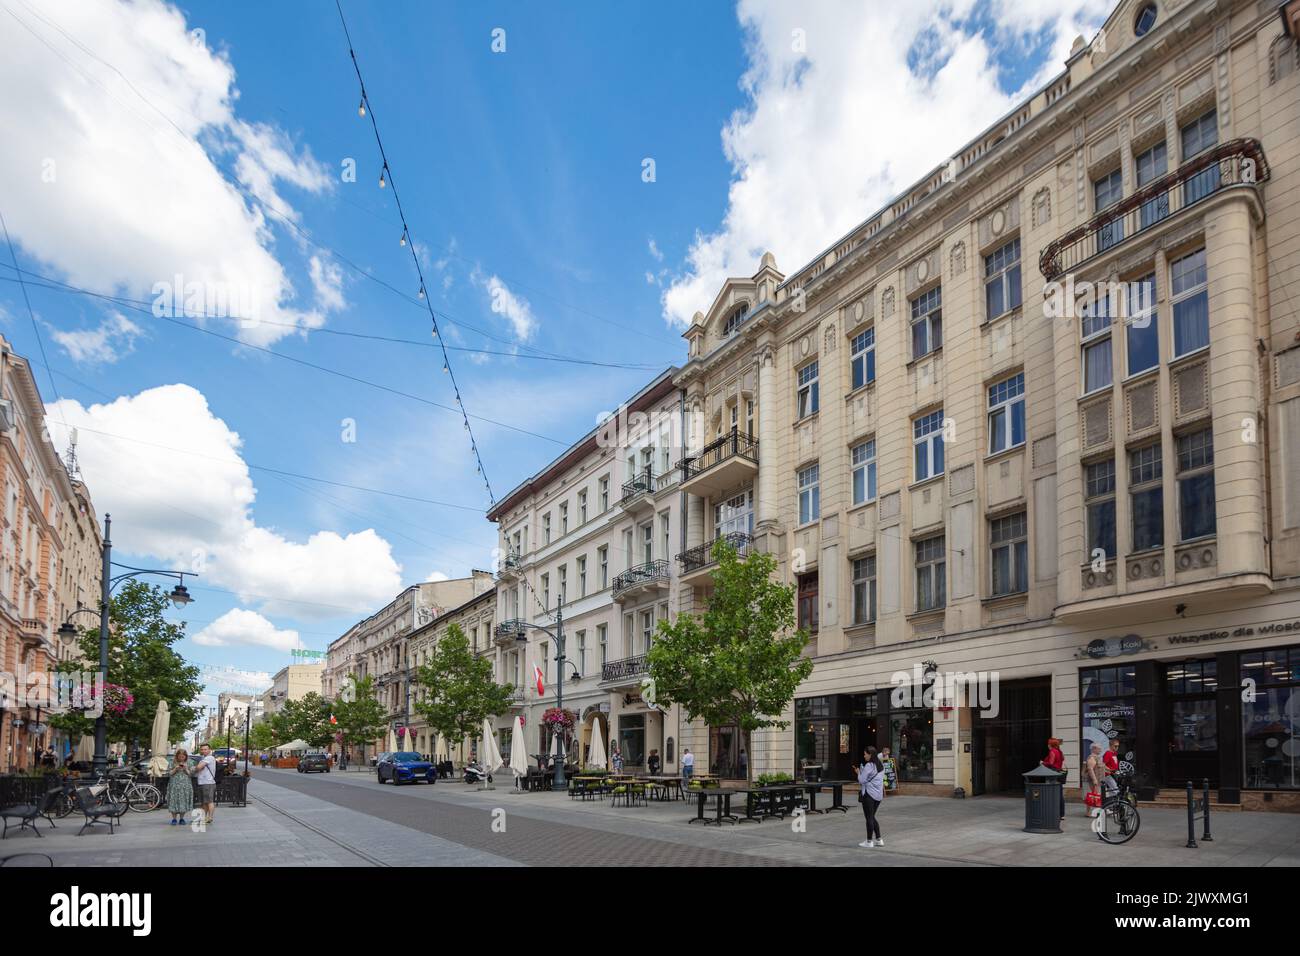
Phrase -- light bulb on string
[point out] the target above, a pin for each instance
(421, 290)
(402, 242)
(445, 369)
(382, 181)
(361, 108)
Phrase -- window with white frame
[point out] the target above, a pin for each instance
(864, 589)
(602, 564)
(1094, 329)
(582, 575)
(564, 517)
(862, 363)
(810, 503)
(931, 573)
(564, 583)
(735, 514)
(582, 506)
(1009, 554)
(546, 591)
(735, 320)
(604, 494)
(1191, 297)
(808, 399)
(582, 652)
(927, 442)
(546, 528)
(1142, 339)
(927, 322)
(1007, 413)
(1146, 497)
(1002, 280)
(1196, 509)
(863, 460)
(602, 638)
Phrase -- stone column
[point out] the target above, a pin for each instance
(765, 504)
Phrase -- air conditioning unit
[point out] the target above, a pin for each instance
(6, 415)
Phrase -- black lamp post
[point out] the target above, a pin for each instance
(560, 659)
(179, 596)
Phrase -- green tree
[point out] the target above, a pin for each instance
(361, 718)
(739, 662)
(142, 659)
(308, 719)
(458, 691)
(263, 736)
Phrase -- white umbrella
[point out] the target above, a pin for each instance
(492, 761)
(85, 749)
(518, 751)
(162, 720)
(291, 746)
(596, 759)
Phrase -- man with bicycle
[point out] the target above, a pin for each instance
(205, 775)
(1111, 761)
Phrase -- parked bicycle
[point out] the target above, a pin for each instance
(1117, 820)
(113, 787)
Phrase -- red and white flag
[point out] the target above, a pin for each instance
(541, 684)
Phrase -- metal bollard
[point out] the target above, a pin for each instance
(1205, 837)
(1191, 817)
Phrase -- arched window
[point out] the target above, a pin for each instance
(670, 752)
(734, 320)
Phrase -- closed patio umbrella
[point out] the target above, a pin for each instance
(596, 759)
(85, 749)
(162, 720)
(492, 761)
(518, 752)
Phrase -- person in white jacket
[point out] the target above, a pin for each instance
(871, 787)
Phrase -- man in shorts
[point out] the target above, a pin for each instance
(205, 775)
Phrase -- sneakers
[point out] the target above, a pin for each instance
(174, 821)
(880, 842)
(867, 843)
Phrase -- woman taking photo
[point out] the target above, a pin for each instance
(871, 785)
(180, 791)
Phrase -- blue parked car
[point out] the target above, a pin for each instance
(405, 767)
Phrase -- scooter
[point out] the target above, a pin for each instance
(474, 773)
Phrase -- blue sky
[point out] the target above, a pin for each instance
(132, 150)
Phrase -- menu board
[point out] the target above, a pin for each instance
(891, 773)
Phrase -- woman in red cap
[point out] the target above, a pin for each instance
(1055, 760)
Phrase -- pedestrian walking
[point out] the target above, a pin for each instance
(688, 766)
(205, 774)
(617, 758)
(871, 793)
(1094, 772)
(180, 788)
(1055, 760)
(652, 763)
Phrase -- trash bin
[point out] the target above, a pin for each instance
(1043, 800)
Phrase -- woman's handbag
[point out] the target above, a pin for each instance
(1092, 799)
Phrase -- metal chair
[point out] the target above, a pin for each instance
(108, 813)
(28, 813)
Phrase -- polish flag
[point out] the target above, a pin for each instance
(537, 676)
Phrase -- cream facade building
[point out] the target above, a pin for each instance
(966, 462)
(293, 682)
(592, 538)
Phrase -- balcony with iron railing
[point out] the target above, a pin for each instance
(723, 464)
(1236, 164)
(642, 579)
(697, 563)
(511, 562)
(638, 493)
(627, 671)
(508, 632)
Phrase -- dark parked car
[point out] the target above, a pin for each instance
(312, 763)
(405, 767)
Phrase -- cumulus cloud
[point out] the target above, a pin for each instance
(115, 123)
(104, 344)
(241, 627)
(170, 472)
(849, 104)
(514, 307)
(327, 279)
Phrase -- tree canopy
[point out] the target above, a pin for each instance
(457, 690)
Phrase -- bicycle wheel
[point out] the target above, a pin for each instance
(64, 805)
(1118, 823)
(143, 797)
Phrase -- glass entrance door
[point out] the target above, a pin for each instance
(1192, 713)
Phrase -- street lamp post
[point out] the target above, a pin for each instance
(560, 659)
(179, 596)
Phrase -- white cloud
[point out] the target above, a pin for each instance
(170, 472)
(438, 576)
(115, 177)
(514, 307)
(880, 94)
(327, 279)
(242, 627)
(655, 251)
(106, 343)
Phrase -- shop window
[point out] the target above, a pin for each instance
(631, 739)
(911, 738)
(1270, 732)
(1108, 711)
(1193, 711)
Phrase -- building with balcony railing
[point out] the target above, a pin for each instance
(1038, 417)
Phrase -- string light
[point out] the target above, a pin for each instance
(361, 109)
(421, 290)
(402, 241)
(382, 182)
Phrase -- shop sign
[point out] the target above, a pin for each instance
(1114, 646)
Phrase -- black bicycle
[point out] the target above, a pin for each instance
(1117, 819)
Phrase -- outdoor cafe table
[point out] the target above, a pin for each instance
(672, 784)
(722, 806)
(837, 793)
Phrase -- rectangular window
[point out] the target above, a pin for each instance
(1146, 496)
(808, 399)
(736, 514)
(647, 542)
(564, 584)
(931, 573)
(546, 591)
(1009, 554)
(1007, 413)
(564, 518)
(1151, 165)
(862, 364)
(810, 502)
(604, 494)
(647, 630)
(1002, 280)
(582, 507)
(602, 637)
(664, 538)
(1199, 135)
(602, 560)
(582, 652)
(546, 528)
(927, 440)
(927, 322)
(864, 472)
(1107, 191)
(1099, 499)
(545, 649)
(1196, 485)
(864, 590)
(1095, 330)
(1142, 339)
(808, 619)
(1191, 303)
(582, 576)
